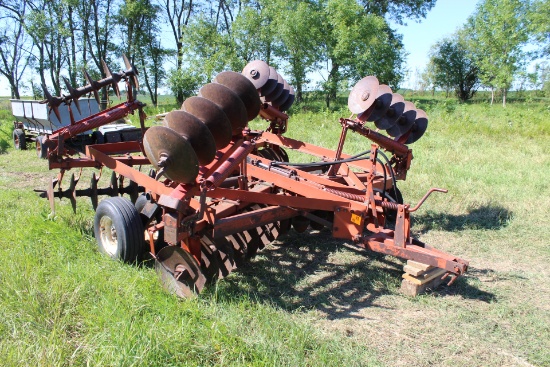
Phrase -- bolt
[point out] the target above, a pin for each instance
(254, 73)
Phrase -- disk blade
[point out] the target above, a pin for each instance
(257, 72)
(229, 102)
(381, 104)
(277, 90)
(212, 116)
(169, 151)
(244, 88)
(363, 94)
(289, 101)
(271, 83)
(397, 106)
(419, 127)
(196, 133)
(405, 121)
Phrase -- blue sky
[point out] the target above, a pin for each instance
(441, 21)
(444, 18)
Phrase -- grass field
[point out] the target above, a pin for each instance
(306, 300)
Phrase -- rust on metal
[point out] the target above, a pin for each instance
(229, 102)
(195, 132)
(212, 116)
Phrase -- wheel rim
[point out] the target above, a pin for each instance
(108, 235)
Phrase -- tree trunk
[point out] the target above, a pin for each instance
(492, 95)
(14, 88)
(504, 91)
(332, 83)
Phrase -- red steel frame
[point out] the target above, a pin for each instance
(284, 191)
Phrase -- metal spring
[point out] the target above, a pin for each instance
(345, 195)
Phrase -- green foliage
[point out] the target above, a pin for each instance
(140, 35)
(496, 34)
(358, 44)
(298, 36)
(454, 67)
(539, 26)
(252, 35)
(184, 82)
(399, 10)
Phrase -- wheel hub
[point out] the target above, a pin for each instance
(108, 235)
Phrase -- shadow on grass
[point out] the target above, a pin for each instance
(488, 217)
(462, 288)
(314, 271)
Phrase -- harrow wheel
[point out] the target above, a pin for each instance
(118, 229)
(179, 272)
(19, 140)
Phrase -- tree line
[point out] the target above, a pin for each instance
(52, 39)
(182, 44)
(490, 51)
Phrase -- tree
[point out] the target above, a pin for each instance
(206, 52)
(141, 42)
(297, 32)
(454, 67)
(15, 50)
(398, 10)
(358, 40)
(177, 13)
(45, 27)
(539, 25)
(495, 34)
(428, 78)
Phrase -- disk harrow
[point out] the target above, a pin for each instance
(216, 192)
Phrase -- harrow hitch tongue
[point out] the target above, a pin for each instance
(213, 192)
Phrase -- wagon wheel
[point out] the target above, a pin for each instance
(179, 272)
(19, 139)
(41, 148)
(118, 229)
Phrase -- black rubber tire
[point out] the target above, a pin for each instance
(140, 202)
(123, 239)
(19, 139)
(41, 149)
(97, 137)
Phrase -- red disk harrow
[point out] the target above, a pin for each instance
(218, 191)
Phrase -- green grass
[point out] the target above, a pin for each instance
(307, 300)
